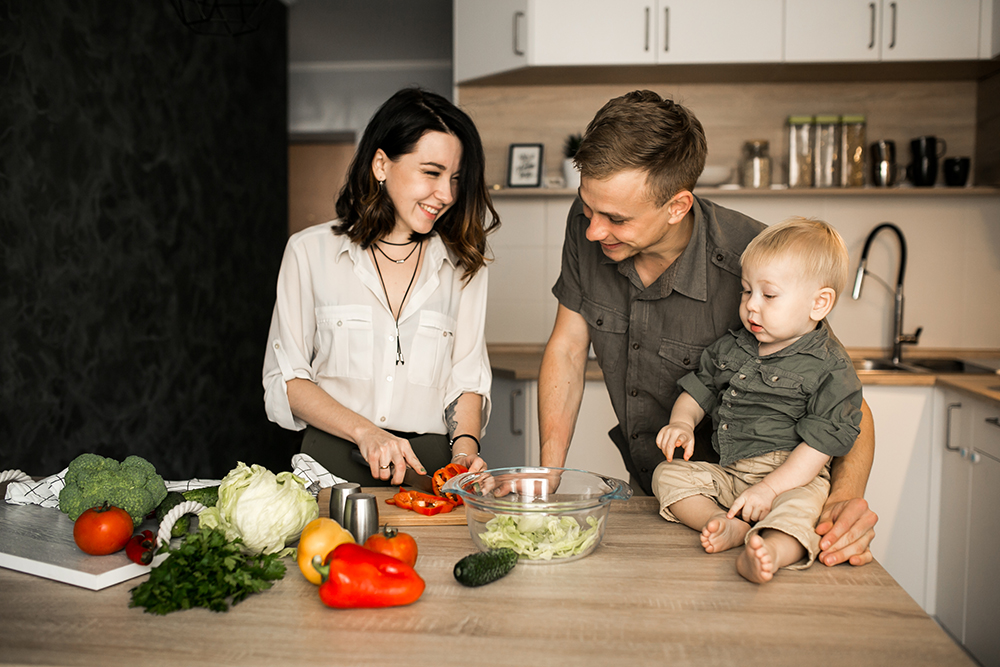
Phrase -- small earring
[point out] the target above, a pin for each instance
(381, 184)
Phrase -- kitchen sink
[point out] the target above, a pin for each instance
(885, 365)
(950, 366)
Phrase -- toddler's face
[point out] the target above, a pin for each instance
(777, 303)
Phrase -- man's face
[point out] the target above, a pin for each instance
(623, 219)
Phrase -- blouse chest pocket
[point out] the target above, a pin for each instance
(344, 342)
(429, 361)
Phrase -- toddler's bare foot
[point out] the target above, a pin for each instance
(757, 563)
(723, 533)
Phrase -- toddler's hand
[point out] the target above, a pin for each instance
(675, 435)
(755, 503)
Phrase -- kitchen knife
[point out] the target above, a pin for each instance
(410, 478)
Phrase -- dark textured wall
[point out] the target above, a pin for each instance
(143, 212)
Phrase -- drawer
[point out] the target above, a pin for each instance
(986, 428)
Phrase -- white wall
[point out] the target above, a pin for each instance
(951, 286)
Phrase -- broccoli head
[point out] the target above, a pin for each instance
(92, 480)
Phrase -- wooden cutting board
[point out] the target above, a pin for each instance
(39, 540)
(394, 516)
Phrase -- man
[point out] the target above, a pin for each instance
(651, 276)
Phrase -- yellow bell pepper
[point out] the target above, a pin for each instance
(319, 538)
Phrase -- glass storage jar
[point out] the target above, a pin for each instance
(756, 168)
(800, 151)
(852, 151)
(826, 152)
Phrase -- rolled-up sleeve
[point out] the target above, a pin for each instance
(288, 353)
(470, 371)
(833, 421)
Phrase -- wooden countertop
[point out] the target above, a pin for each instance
(649, 595)
(521, 362)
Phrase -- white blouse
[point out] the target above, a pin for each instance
(332, 325)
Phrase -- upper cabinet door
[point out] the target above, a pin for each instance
(593, 32)
(930, 30)
(720, 31)
(831, 30)
(490, 37)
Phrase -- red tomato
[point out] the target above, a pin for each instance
(102, 530)
(393, 543)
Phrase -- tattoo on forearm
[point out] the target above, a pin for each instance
(449, 418)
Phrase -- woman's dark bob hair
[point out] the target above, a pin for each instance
(366, 213)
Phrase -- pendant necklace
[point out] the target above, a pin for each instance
(399, 347)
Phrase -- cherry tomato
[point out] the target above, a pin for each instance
(102, 530)
(393, 543)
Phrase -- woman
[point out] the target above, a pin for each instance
(377, 341)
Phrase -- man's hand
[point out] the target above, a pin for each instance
(846, 528)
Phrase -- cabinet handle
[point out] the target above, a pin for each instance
(646, 47)
(994, 420)
(975, 458)
(871, 37)
(514, 428)
(947, 426)
(517, 33)
(666, 29)
(892, 39)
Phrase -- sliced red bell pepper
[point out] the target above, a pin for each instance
(442, 475)
(403, 499)
(356, 577)
(430, 506)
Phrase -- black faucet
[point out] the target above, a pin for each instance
(898, 337)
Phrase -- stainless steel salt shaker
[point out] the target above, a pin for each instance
(338, 499)
(361, 515)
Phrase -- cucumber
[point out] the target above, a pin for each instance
(183, 523)
(207, 496)
(485, 567)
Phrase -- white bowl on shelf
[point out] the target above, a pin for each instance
(714, 176)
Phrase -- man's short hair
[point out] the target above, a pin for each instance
(642, 131)
(817, 246)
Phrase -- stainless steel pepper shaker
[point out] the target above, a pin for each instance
(338, 499)
(361, 515)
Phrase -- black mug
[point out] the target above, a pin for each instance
(925, 152)
(883, 159)
(956, 171)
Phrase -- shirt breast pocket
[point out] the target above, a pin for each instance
(344, 342)
(429, 360)
(781, 384)
(676, 360)
(608, 331)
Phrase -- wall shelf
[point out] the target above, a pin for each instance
(942, 191)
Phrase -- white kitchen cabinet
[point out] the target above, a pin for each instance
(968, 587)
(512, 437)
(502, 35)
(884, 30)
(899, 482)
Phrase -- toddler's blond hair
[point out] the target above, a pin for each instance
(821, 251)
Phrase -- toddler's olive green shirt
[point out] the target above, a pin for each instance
(807, 392)
(647, 338)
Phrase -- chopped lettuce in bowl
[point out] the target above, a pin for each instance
(541, 537)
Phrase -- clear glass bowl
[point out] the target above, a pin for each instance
(547, 515)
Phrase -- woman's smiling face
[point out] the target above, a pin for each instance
(422, 184)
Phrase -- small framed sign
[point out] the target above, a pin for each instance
(524, 168)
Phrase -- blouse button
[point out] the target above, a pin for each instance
(444, 334)
(388, 378)
(381, 419)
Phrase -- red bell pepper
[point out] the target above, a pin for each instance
(356, 577)
(140, 548)
(422, 503)
(442, 475)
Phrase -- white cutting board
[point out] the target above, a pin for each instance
(39, 541)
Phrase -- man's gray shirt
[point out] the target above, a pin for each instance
(647, 338)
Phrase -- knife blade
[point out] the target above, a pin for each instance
(410, 478)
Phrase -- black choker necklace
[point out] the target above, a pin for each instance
(396, 244)
(397, 261)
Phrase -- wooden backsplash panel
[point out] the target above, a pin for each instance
(730, 113)
(987, 167)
